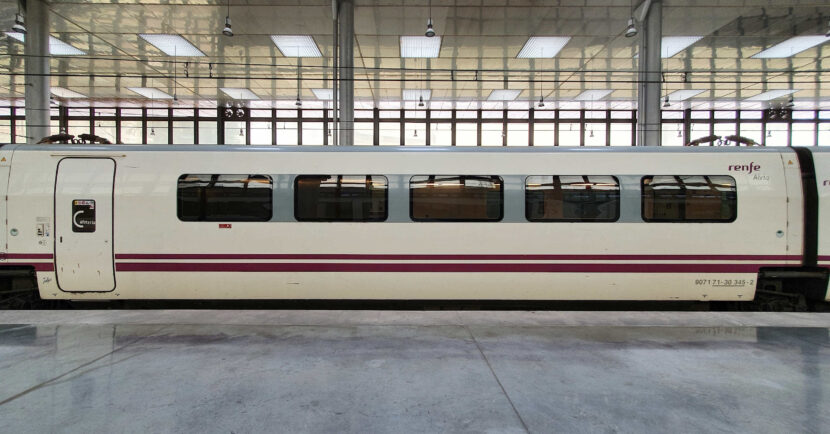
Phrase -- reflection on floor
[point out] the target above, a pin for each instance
(353, 371)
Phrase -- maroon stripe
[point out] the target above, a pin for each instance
(161, 256)
(824, 258)
(28, 255)
(438, 268)
(39, 266)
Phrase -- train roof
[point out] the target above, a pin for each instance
(395, 149)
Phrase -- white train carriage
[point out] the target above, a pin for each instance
(223, 222)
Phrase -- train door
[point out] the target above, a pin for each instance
(84, 224)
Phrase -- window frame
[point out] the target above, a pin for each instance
(270, 196)
(440, 220)
(684, 220)
(565, 220)
(305, 220)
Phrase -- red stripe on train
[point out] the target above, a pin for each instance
(436, 268)
(405, 257)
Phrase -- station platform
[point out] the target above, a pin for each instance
(229, 371)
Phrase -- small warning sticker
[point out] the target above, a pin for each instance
(83, 215)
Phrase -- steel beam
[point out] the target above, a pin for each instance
(346, 72)
(650, 75)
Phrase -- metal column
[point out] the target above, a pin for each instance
(650, 75)
(37, 71)
(346, 72)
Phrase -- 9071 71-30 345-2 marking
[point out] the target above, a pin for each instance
(724, 282)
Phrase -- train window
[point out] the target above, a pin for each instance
(456, 198)
(340, 198)
(572, 198)
(227, 198)
(694, 198)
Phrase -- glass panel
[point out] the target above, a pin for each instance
(261, 133)
(700, 114)
(751, 114)
(131, 132)
(77, 128)
(620, 114)
(440, 134)
(415, 134)
(572, 198)
(804, 114)
(157, 133)
(725, 115)
(491, 134)
(594, 134)
(340, 198)
(776, 134)
(621, 134)
(569, 134)
(689, 199)
(364, 133)
(724, 130)
(105, 129)
(455, 198)
(313, 134)
(466, 114)
(235, 133)
(672, 135)
(390, 134)
(517, 134)
(55, 127)
(699, 131)
(260, 113)
(568, 114)
(287, 114)
(286, 133)
(20, 131)
(127, 113)
(208, 132)
(466, 134)
(671, 114)
(230, 198)
(543, 135)
(5, 131)
(804, 134)
(824, 134)
(752, 131)
(182, 132)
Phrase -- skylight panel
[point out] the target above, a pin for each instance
(65, 93)
(420, 46)
(684, 94)
(323, 94)
(593, 95)
(172, 45)
(239, 93)
(416, 94)
(543, 47)
(150, 92)
(296, 45)
(56, 46)
(672, 45)
(771, 95)
(791, 47)
(503, 95)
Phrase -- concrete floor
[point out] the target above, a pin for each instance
(355, 371)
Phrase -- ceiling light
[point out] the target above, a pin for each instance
(543, 47)
(420, 101)
(150, 92)
(298, 103)
(671, 45)
(791, 47)
(827, 35)
(503, 95)
(239, 93)
(416, 94)
(631, 30)
(593, 95)
(227, 31)
(65, 93)
(56, 46)
(296, 45)
(541, 102)
(172, 45)
(771, 95)
(323, 94)
(430, 31)
(666, 102)
(420, 46)
(790, 102)
(19, 25)
(682, 95)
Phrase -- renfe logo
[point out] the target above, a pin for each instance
(748, 168)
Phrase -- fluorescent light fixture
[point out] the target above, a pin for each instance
(543, 47)
(172, 45)
(56, 46)
(771, 95)
(503, 95)
(416, 94)
(296, 45)
(420, 46)
(593, 95)
(323, 94)
(239, 93)
(682, 95)
(791, 47)
(65, 93)
(150, 92)
(672, 45)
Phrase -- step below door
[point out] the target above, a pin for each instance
(84, 224)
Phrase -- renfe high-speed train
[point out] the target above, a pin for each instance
(224, 222)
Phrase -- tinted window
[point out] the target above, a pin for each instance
(345, 198)
(455, 198)
(228, 198)
(572, 198)
(689, 199)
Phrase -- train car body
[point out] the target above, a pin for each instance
(106, 222)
